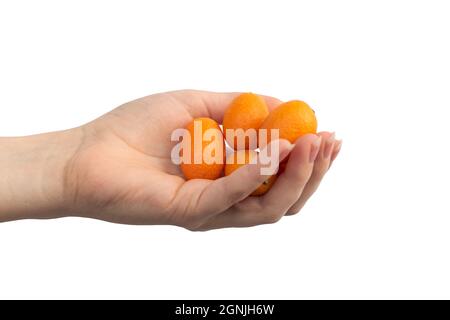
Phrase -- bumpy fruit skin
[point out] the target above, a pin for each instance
(246, 111)
(248, 155)
(293, 119)
(203, 170)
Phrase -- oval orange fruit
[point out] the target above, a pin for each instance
(293, 119)
(242, 157)
(205, 169)
(246, 111)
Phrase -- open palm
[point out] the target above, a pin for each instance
(122, 171)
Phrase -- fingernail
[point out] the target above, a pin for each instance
(329, 146)
(337, 149)
(315, 147)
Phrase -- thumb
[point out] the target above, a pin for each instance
(223, 193)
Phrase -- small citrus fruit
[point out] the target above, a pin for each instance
(293, 119)
(206, 169)
(246, 111)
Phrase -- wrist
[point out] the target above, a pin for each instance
(32, 174)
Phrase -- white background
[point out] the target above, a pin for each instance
(376, 72)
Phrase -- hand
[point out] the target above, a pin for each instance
(118, 168)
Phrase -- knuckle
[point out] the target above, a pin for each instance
(197, 229)
(194, 224)
(293, 211)
(272, 217)
(202, 229)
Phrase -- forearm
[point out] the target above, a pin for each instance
(32, 174)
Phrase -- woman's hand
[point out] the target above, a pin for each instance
(118, 168)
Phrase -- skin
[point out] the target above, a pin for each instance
(117, 168)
